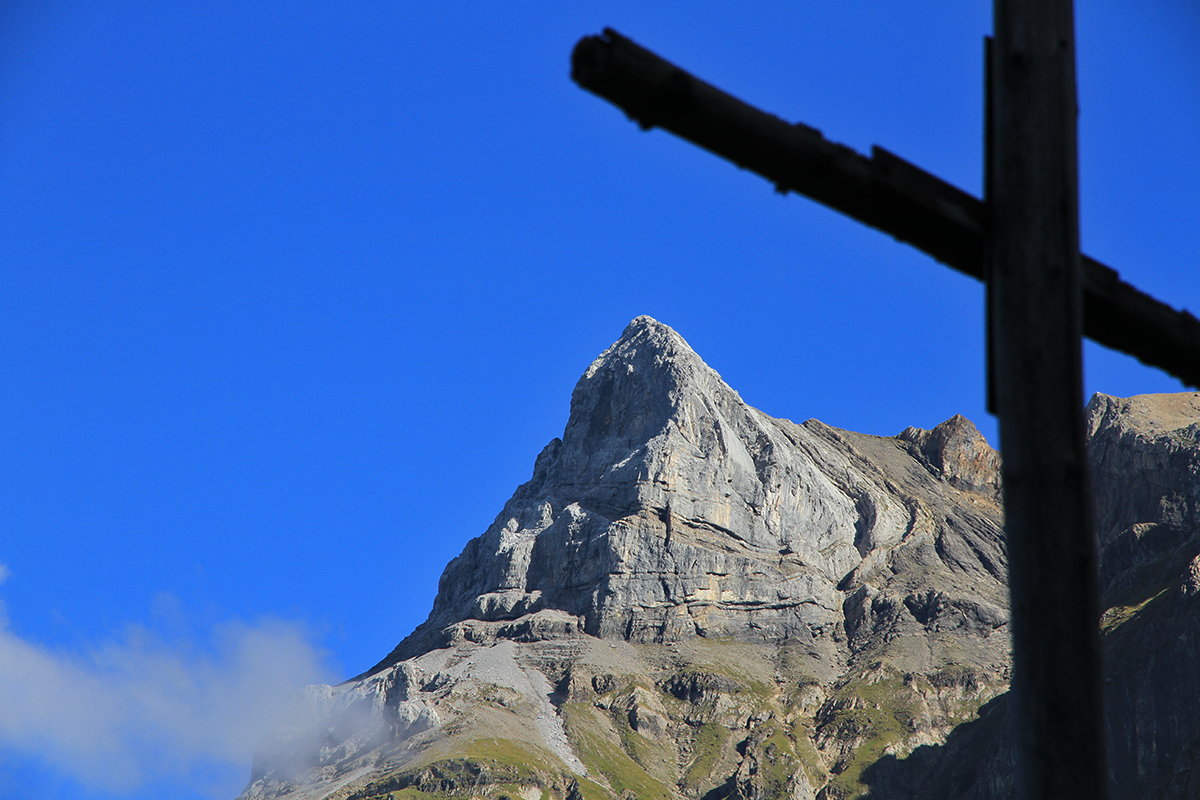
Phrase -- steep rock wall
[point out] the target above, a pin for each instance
(692, 599)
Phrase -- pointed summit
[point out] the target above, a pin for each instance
(631, 392)
(690, 598)
(647, 328)
(670, 509)
(671, 537)
(649, 344)
(638, 378)
(630, 387)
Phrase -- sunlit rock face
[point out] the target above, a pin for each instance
(681, 569)
(671, 509)
(692, 599)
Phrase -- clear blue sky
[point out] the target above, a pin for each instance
(291, 294)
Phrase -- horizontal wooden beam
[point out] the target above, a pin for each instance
(883, 191)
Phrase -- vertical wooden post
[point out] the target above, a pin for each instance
(1035, 303)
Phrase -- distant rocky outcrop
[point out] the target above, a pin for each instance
(1144, 453)
(1145, 456)
(690, 598)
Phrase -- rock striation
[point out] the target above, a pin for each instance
(670, 509)
(690, 598)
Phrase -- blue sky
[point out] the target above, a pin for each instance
(292, 294)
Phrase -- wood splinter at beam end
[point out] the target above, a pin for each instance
(601, 63)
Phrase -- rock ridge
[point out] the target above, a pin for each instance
(691, 600)
(688, 598)
(670, 508)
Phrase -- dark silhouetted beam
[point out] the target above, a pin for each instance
(883, 191)
(1035, 292)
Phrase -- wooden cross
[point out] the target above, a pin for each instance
(1042, 296)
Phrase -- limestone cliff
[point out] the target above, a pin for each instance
(690, 598)
(1145, 455)
(671, 509)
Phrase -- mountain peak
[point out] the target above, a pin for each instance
(670, 509)
(690, 599)
(644, 325)
(662, 342)
(627, 395)
(674, 517)
(651, 356)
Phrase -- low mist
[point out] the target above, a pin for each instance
(149, 709)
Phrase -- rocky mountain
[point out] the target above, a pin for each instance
(692, 599)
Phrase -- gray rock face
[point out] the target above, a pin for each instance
(671, 509)
(1145, 455)
(1145, 458)
(679, 569)
(691, 599)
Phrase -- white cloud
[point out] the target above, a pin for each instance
(141, 709)
(5, 572)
